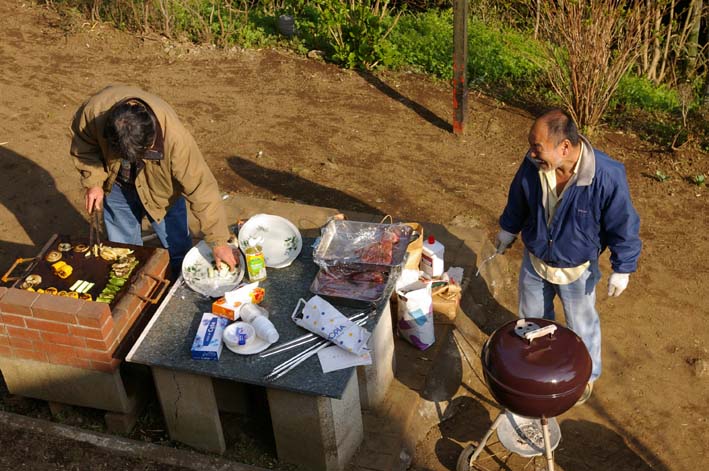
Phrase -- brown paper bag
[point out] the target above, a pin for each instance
(415, 248)
(446, 299)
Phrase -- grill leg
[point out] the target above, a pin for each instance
(492, 428)
(547, 444)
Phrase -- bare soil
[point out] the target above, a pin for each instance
(276, 125)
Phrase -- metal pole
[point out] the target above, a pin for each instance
(547, 444)
(492, 428)
(460, 69)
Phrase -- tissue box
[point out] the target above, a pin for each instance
(208, 343)
(228, 311)
(229, 305)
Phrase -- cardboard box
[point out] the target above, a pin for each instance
(228, 311)
(228, 306)
(208, 342)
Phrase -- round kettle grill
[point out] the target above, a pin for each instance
(536, 369)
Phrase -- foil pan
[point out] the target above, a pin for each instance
(362, 245)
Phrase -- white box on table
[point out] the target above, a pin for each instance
(208, 343)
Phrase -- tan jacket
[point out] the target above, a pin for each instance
(182, 171)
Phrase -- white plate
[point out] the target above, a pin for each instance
(282, 241)
(256, 345)
(195, 269)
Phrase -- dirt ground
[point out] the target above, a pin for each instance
(275, 125)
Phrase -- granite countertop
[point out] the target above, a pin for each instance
(167, 340)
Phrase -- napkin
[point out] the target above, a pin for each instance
(323, 319)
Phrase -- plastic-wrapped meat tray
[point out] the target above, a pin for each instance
(351, 284)
(367, 245)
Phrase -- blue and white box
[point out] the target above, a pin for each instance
(208, 343)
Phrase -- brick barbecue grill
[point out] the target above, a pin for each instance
(70, 351)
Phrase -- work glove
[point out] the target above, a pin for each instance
(617, 283)
(504, 240)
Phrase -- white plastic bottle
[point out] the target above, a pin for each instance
(432, 258)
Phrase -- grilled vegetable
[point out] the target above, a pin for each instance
(53, 256)
(116, 281)
(62, 269)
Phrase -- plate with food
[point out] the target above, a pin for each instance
(201, 274)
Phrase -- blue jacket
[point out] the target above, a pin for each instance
(595, 213)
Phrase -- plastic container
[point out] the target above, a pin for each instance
(265, 329)
(250, 311)
(255, 263)
(432, 258)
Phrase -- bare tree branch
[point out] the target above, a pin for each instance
(592, 44)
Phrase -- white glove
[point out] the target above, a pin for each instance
(617, 283)
(504, 240)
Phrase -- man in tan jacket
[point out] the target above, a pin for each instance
(136, 159)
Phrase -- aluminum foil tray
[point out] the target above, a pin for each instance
(356, 243)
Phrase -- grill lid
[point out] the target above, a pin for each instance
(536, 367)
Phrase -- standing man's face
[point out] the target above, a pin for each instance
(543, 150)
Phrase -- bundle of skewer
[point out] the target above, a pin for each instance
(318, 343)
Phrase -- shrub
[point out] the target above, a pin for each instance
(504, 58)
(424, 41)
(639, 92)
(497, 58)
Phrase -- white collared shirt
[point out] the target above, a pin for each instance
(550, 200)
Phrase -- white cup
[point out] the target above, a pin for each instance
(239, 334)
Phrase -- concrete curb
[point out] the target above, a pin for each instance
(126, 447)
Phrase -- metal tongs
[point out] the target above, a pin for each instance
(94, 233)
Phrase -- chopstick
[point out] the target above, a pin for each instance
(302, 340)
(94, 233)
(288, 365)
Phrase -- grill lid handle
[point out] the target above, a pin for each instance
(548, 330)
(530, 330)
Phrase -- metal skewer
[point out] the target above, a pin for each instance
(297, 358)
(288, 365)
(302, 340)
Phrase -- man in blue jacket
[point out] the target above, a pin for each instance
(569, 201)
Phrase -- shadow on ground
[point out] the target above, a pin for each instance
(587, 446)
(297, 188)
(30, 193)
(417, 108)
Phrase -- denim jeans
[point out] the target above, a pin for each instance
(123, 214)
(536, 299)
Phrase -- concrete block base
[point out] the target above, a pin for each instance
(121, 423)
(189, 407)
(314, 432)
(375, 379)
(66, 384)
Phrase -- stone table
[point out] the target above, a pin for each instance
(325, 408)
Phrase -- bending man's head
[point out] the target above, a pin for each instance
(130, 129)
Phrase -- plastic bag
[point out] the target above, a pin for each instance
(415, 314)
(362, 244)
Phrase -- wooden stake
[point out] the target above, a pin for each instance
(460, 61)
